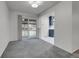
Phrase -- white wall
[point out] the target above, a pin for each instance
(63, 26)
(75, 25)
(4, 27)
(63, 30)
(14, 23)
(44, 25)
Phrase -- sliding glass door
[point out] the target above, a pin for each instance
(28, 28)
(24, 28)
(32, 28)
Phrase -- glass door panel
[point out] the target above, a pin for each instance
(32, 28)
(24, 30)
(29, 28)
(32, 34)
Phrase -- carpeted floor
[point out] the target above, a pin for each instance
(33, 48)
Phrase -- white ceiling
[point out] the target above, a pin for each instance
(24, 6)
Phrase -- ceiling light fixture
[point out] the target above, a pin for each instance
(35, 4)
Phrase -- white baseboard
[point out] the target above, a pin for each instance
(48, 39)
(3, 49)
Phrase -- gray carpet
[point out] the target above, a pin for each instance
(33, 48)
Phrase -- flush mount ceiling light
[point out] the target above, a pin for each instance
(35, 4)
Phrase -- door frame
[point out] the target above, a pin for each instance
(20, 27)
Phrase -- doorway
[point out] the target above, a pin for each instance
(28, 28)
